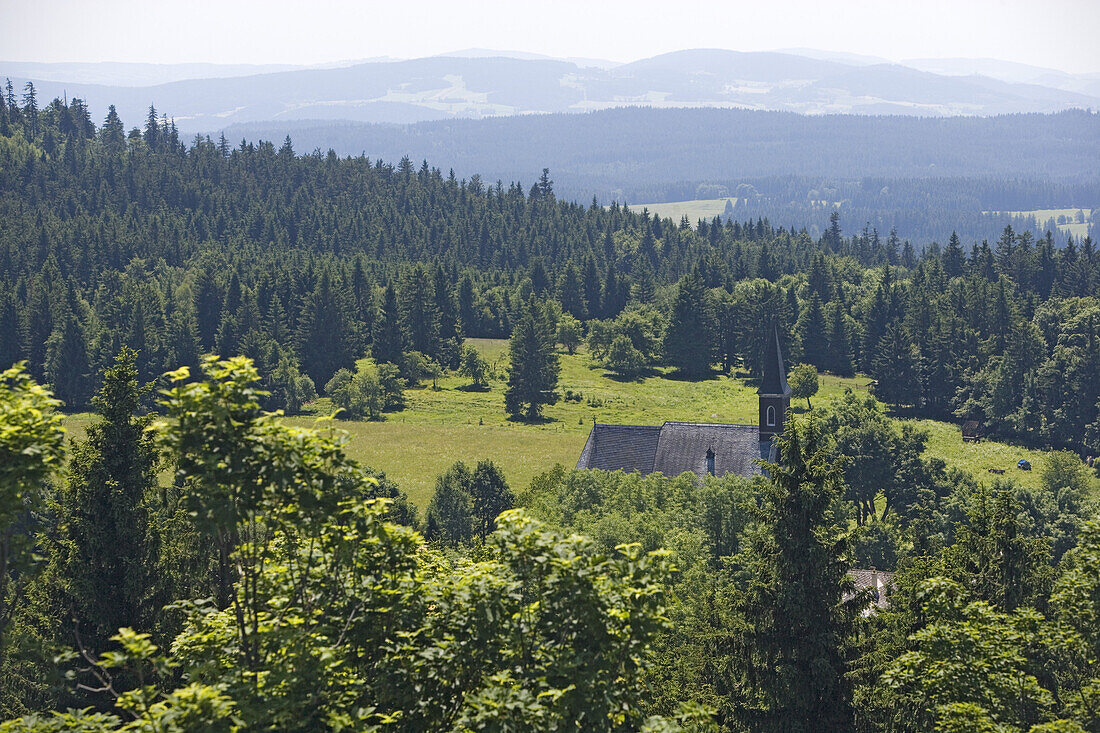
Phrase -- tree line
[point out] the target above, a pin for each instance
(306, 263)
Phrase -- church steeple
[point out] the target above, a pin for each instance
(774, 392)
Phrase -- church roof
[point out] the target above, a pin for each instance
(775, 372)
(676, 447)
(621, 448)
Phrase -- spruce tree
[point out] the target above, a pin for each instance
(840, 360)
(467, 307)
(592, 287)
(325, 337)
(954, 261)
(645, 283)
(445, 305)
(208, 306)
(614, 295)
(896, 369)
(10, 349)
(792, 677)
(389, 344)
(813, 331)
(534, 368)
(67, 365)
(818, 279)
(419, 314)
(100, 567)
(689, 343)
(37, 325)
(571, 292)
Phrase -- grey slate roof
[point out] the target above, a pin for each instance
(621, 448)
(675, 447)
(880, 583)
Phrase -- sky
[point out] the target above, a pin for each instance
(1060, 34)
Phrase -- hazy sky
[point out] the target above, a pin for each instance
(1063, 34)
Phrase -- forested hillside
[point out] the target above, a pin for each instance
(925, 177)
(273, 584)
(307, 262)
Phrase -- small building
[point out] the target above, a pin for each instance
(878, 583)
(972, 431)
(703, 448)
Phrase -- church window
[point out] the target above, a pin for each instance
(710, 462)
(771, 416)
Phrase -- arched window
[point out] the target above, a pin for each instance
(771, 416)
(710, 462)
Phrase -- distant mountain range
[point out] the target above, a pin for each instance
(478, 83)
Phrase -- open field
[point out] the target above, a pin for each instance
(452, 423)
(695, 210)
(1077, 229)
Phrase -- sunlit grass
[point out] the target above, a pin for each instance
(451, 423)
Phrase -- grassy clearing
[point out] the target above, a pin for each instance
(977, 458)
(453, 423)
(694, 210)
(1077, 229)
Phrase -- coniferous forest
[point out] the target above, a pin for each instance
(264, 581)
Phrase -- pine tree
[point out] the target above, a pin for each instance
(30, 107)
(10, 349)
(389, 345)
(208, 307)
(325, 335)
(419, 314)
(645, 285)
(591, 287)
(794, 670)
(689, 343)
(954, 261)
(467, 307)
(896, 368)
(840, 361)
(100, 568)
(571, 292)
(67, 365)
(614, 295)
(534, 368)
(813, 332)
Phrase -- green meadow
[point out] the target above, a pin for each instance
(452, 423)
(1071, 226)
(694, 210)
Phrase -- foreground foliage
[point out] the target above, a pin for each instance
(326, 615)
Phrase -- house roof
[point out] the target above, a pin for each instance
(676, 447)
(880, 583)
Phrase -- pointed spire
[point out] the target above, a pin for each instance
(775, 372)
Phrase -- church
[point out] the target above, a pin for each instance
(703, 448)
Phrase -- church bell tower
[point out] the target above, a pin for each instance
(774, 393)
